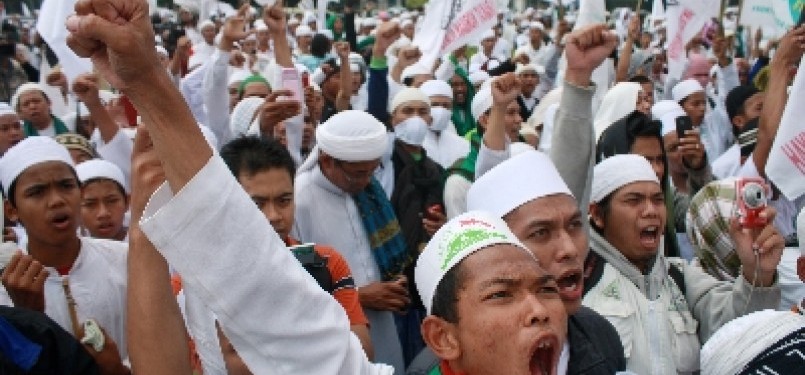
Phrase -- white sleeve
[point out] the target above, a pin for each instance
(727, 80)
(455, 195)
(216, 96)
(488, 158)
(285, 324)
(118, 152)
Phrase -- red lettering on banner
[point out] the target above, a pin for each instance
(469, 21)
(676, 46)
(795, 151)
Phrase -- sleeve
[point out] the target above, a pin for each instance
(378, 86)
(727, 80)
(573, 142)
(714, 302)
(216, 96)
(344, 285)
(455, 195)
(488, 158)
(202, 232)
(504, 67)
(118, 151)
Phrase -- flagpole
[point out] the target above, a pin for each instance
(721, 15)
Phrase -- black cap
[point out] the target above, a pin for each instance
(737, 97)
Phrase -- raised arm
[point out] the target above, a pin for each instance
(625, 58)
(345, 93)
(378, 84)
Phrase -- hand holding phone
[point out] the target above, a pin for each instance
(683, 124)
(292, 83)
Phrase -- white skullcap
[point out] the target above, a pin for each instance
(459, 238)
(487, 34)
(666, 111)
(238, 75)
(207, 23)
(617, 171)
(304, 30)
(243, 115)
(479, 76)
(536, 25)
(801, 230)
(437, 87)
(26, 87)
(408, 94)
(522, 68)
(481, 102)
(99, 168)
(415, 70)
(683, 89)
(515, 182)
(162, 51)
(352, 136)
(368, 22)
(260, 25)
(741, 340)
(29, 152)
(6, 109)
(328, 33)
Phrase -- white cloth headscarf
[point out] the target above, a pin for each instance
(618, 102)
(349, 136)
(243, 115)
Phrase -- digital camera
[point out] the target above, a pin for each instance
(752, 197)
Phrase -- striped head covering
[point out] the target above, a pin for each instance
(708, 228)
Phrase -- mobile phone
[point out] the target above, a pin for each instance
(131, 112)
(683, 124)
(292, 83)
(304, 253)
(751, 198)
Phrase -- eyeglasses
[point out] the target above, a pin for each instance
(353, 178)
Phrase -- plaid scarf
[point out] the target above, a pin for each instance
(385, 237)
(708, 228)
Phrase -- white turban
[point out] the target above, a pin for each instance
(415, 70)
(618, 102)
(515, 182)
(620, 170)
(478, 77)
(30, 151)
(408, 94)
(243, 115)
(685, 88)
(99, 168)
(207, 23)
(482, 102)
(667, 111)
(459, 238)
(352, 136)
(537, 25)
(437, 87)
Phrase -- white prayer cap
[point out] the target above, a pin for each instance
(304, 30)
(408, 94)
(481, 102)
(328, 33)
(683, 89)
(488, 34)
(437, 87)
(478, 77)
(415, 70)
(617, 171)
(352, 136)
(515, 182)
(801, 230)
(260, 25)
(368, 22)
(243, 114)
(522, 68)
(666, 111)
(207, 23)
(238, 75)
(99, 168)
(459, 238)
(26, 87)
(162, 51)
(536, 25)
(6, 109)
(29, 152)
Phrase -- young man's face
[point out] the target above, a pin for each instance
(508, 307)
(528, 82)
(47, 203)
(272, 191)
(635, 221)
(411, 109)
(513, 121)
(103, 208)
(34, 107)
(695, 105)
(10, 132)
(651, 149)
(751, 110)
(459, 89)
(552, 228)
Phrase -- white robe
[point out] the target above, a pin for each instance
(446, 147)
(98, 285)
(287, 326)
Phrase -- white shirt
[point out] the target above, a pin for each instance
(98, 285)
(728, 164)
(445, 147)
(287, 326)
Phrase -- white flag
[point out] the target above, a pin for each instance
(53, 31)
(591, 12)
(786, 164)
(657, 13)
(686, 18)
(450, 24)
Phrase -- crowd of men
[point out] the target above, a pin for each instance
(265, 192)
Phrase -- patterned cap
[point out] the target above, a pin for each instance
(75, 142)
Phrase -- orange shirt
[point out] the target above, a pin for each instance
(345, 292)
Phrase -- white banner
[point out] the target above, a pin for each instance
(786, 164)
(685, 20)
(778, 15)
(51, 27)
(445, 28)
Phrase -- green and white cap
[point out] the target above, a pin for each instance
(456, 240)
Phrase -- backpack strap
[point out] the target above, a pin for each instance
(679, 278)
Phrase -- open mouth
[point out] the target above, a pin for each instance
(543, 357)
(570, 285)
(650, 236)
(61, 221)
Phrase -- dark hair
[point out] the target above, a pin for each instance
(99, 179)
(320, 46)
(445, 297)
(252, 154)
(603, 207)
(618, 138)
(408, 81)
(641, 79)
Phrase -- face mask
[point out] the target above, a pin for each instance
(412, 131)
(441, 118)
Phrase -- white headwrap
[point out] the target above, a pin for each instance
(536, 25)
(437, 87)
(683, 89)
(459, 238)
(617, 171)
(618, 102)
(408, 94)
(99, 168)
(30, 151)
(481, 102)
(667, 111)
(515, 182)
(243, 115)
(352, 136)
(415, 70)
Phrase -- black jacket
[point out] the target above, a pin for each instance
(595, 347)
